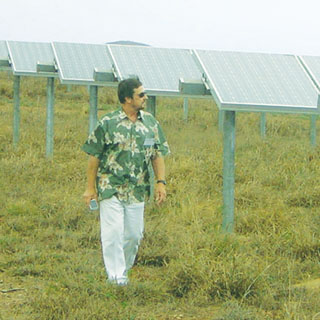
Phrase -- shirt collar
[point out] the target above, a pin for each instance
(122, 115)
(141, 115)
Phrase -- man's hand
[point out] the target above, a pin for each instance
(160, 193)
(92, 169)
(159, 172)
(88, 195)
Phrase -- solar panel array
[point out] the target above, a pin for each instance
(159, 69)
(312, 65)
(3, 49)
(258, 82)
(237, 81)
(76, 62)
(24, 57)
(4, 56)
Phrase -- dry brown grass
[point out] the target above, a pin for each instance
(186, 268)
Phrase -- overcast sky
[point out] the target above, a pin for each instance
(273, 26)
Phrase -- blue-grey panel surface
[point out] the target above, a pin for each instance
(76, 62)
(3, 49)
(4, 55)
(159, 69)
(258, 81)
(312, 64)
(25, 56)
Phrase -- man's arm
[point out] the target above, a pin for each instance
(92, 170)
(159, 171)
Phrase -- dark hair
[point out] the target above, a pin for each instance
(126, 88)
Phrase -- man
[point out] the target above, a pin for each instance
(120, 150)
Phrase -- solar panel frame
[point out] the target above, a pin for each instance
(4, 54)
(159, 69)
(312, 66)
(269, 76)
(76, 62)
(3, 49)
(24, 57)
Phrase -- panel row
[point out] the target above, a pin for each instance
(237, 81)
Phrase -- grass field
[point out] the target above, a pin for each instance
(51, 265)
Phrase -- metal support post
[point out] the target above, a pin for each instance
(16, 110)
(263, 125)
(93, 113)
(50, 118)
(313, 130)
(185, 109)
(220, 120)
(228, 171)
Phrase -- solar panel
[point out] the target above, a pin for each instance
(159, 69)
(3, 49)
(4, 56)
(312, 65)
(258, 82)
(25, 56)
(77, 62)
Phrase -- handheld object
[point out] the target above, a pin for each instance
(93, 204)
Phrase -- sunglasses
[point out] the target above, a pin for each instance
(142, 94)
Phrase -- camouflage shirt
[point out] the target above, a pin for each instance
(125, 149)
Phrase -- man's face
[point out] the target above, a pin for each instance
(139, 98)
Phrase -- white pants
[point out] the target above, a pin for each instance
(121, 232)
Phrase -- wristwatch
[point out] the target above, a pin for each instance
(162, 181)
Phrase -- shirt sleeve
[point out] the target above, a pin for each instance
(161, 146)
(95, 143)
